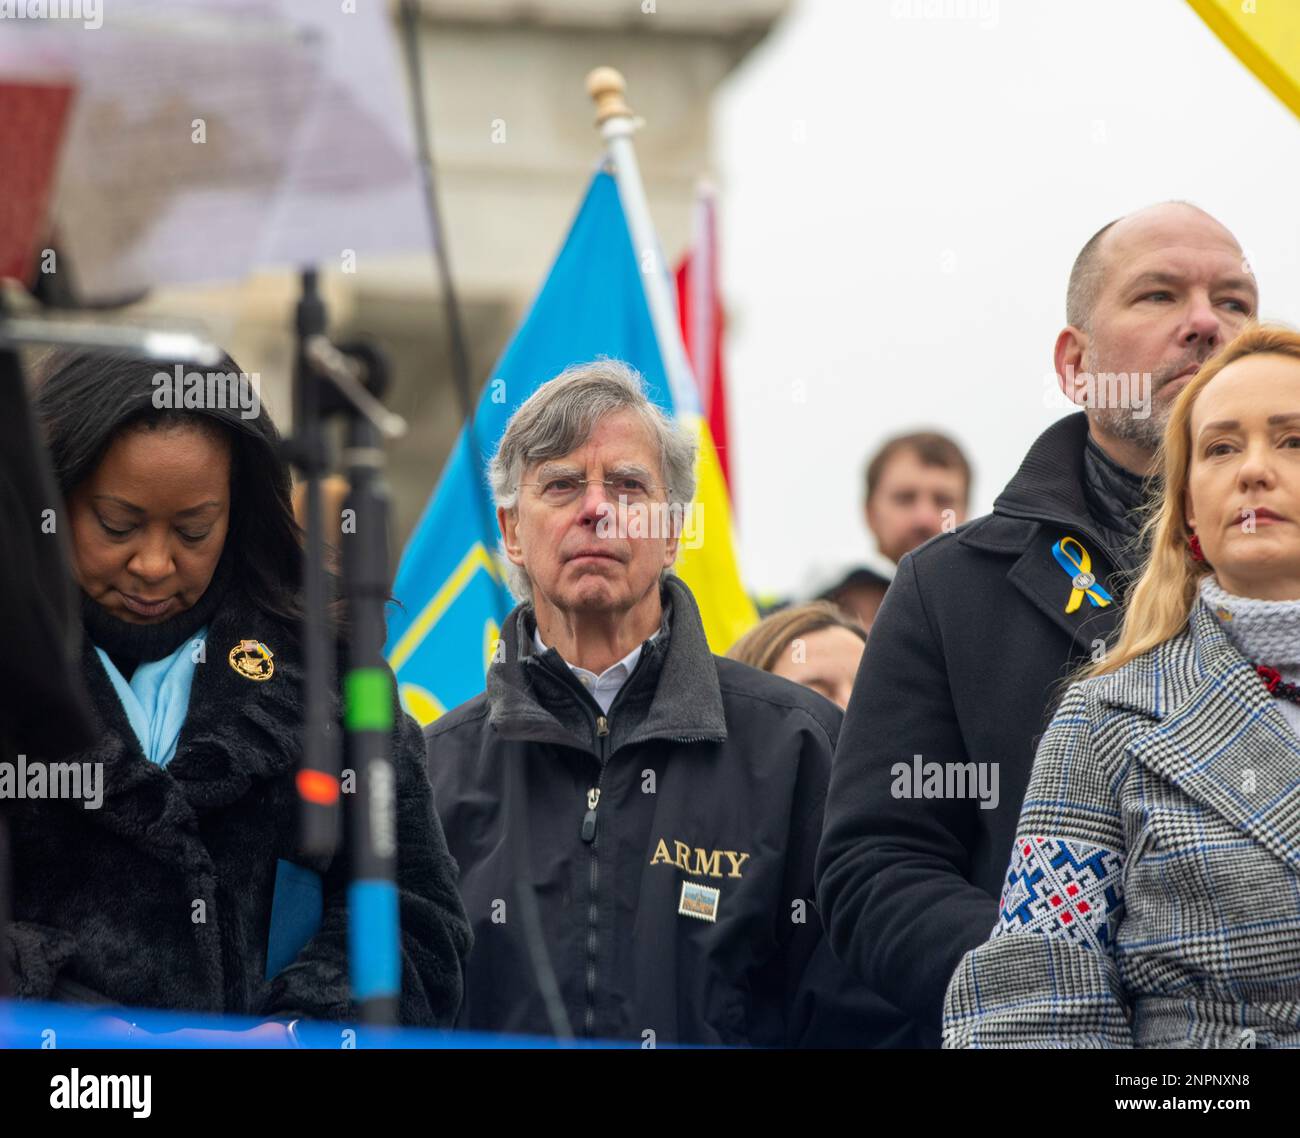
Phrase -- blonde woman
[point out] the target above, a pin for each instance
(1153, 894)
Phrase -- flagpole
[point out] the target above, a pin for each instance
(702, 272)
(617, 123)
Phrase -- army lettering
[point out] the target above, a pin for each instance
(700, 863)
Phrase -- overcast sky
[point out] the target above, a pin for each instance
(901, 201)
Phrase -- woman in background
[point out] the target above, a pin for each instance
(813, 644)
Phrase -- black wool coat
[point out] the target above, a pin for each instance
(965, 663)
(162, 896)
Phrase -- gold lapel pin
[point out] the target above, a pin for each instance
(253, 660)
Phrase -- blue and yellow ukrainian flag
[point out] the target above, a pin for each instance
(451, 581)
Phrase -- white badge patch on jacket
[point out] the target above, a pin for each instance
(698, 901)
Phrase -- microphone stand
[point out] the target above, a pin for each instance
(346, 382)
(308, 449)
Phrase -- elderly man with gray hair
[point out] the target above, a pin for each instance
(635, 819)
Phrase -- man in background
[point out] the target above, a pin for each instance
(917, 485)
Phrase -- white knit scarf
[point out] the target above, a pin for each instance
(1265, 632)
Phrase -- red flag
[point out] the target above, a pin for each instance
(32, 120)
(699, 306)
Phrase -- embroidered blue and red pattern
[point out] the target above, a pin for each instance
(1063, 888)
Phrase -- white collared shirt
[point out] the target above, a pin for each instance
(603, 687)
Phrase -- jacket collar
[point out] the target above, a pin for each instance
(1049, 484)
(237, 732)
(672, 694)
(1216, 733)
(1042, 504)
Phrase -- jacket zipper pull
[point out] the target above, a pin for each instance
(589, 818)
(602, 725)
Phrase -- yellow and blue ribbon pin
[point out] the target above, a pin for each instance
(1080, 571)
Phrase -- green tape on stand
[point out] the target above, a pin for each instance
(367, 700)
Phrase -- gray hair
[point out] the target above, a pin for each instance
(1085, 280)
(562, 414)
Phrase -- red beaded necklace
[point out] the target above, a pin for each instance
(1276, 687)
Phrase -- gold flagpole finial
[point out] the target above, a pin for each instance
(606, 86)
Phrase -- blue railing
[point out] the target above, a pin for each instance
(26, 1024)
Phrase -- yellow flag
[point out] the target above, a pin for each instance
(706, 558)
(1265, 36)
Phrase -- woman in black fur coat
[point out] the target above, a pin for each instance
(171, 878)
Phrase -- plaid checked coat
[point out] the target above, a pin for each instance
(1153, 894)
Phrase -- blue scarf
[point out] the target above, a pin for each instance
(157, 698)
